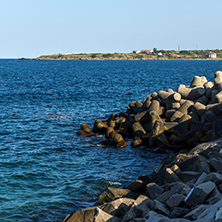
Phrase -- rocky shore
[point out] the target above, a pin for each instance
(187, 185)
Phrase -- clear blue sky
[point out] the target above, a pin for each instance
(30, 28)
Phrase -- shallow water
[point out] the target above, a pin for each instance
(46, 170)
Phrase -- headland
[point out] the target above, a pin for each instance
(138, 55)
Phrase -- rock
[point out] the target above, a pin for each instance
(142, 116)
(82, 132)
(198, 81)
(115, 137)
(104, 142)
(217, 77)
(154, 190)
(196, 212)
(154, 106)
(86, 128)
(207, 126)
(214, 177)
(91, 214)
(138, 209)
(139, 219)
(155, 217)
(218, 217)
(113, 116)
(99, 126)
(108, 131)
(137, 186)
(110, 194)
(179, 212)
(118, 207)
(112, 123)
(199, 108)
(138, 130)
(203, 100)
(159, 207)
(196, 163)
(205, 148)
(137, 142)
(175, 200)
(199, 193)
(158, 128)
(216, 163)
(170, 176)
(209, 214)
(175, 169)
(176, 116)
(201, 179)
(186, 176)
(190, 93)
(214, 197)
(177, 188)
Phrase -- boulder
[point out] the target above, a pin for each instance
(155, 217)
(138, 130)
(170, 176)
(210, 213)
(137, 186)
(214, 197)
(86, 128)
(110, 194)
(196, 163)
(214, 177)
(216, 163)
(159, 207)
(118, 207)
(178, 212)
(153, 190)
(205, 148)
(187, 176)
(175, 200)
(199, 193)
(218, 217)
(176, 188)
(201, 179)
(139, 208)
(196, 212)
(91, 214)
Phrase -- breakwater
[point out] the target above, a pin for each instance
(187, 185)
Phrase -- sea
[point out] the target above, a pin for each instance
(46, 170)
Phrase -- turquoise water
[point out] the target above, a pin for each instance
(46, 170)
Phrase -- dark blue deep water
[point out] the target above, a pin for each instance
(46, 170)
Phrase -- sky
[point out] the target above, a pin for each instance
(30, 28)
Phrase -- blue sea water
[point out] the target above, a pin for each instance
(46, 170)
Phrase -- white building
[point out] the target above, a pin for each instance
(136, 51)
(212, 55)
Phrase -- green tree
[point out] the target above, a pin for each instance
(155, 50)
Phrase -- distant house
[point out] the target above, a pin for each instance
(136, 51)
(147, 51)
(169, 54)
(211, 55)
(160, 54)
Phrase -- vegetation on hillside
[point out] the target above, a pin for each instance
(156, 54)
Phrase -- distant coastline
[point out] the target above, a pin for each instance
(157, 55)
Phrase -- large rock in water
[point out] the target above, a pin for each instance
(110, 194)
(91, 214)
